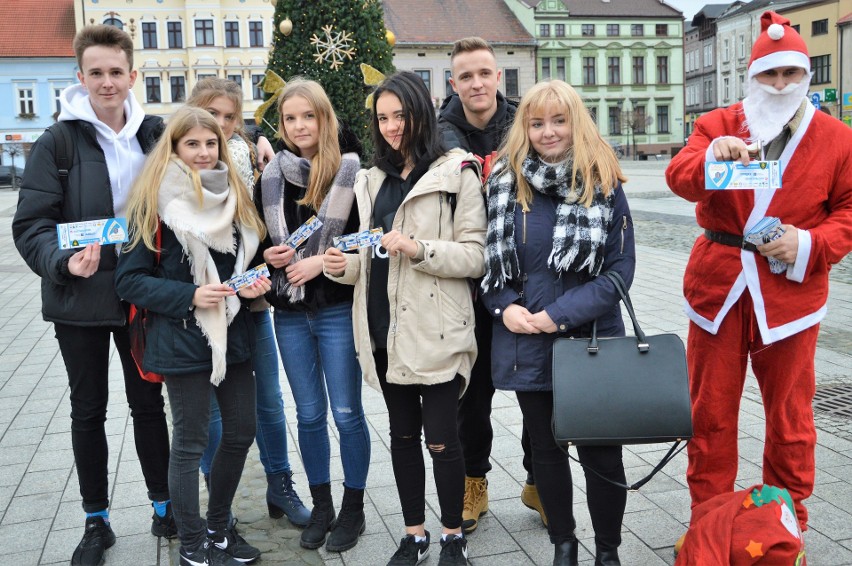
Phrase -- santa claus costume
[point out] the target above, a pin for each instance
(738, 308)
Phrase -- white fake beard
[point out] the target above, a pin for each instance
(768, 110)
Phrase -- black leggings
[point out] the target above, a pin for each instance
(553, 477)
(436, 416)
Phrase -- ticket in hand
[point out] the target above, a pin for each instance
(365, 239)
(303, 232)
(757, 175)
(767, 229)
(81, 234)
(247, 278)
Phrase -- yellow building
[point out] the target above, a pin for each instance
(817, 24)
(178, 42)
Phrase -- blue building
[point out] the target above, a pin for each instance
(36, 63)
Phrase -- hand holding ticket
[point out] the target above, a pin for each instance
(247, 278)
(365, 239)
(766, 230)
(81, 234)
(303, 232)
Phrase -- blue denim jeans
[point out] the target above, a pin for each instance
(318, 353)
(271, 425)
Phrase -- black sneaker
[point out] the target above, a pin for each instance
(453, 551)
(197, 557)
(410, 552)
(231, 543)
(96, 539)
(164, 526)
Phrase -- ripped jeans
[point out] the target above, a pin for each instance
(432, 409)
(318, 354)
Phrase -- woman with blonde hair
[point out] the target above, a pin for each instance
(557, 219)
(193, 227)
(224, 100)
(314, 176)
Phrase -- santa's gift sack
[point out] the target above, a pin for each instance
(757, 525)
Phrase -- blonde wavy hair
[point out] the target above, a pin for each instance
(594, 159)
(142, 214)
(326, 161)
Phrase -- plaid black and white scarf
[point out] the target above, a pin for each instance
(334, 212)
(580, 232)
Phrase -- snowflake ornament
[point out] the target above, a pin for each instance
(333, 47)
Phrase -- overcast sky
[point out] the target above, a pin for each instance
(689, 7)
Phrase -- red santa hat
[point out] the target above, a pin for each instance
(778, 45)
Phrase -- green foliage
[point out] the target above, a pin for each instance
(295, 55)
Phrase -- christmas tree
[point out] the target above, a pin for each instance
(336, 43)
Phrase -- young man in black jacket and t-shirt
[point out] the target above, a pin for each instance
(476, 118)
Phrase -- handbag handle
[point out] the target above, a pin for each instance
(621, 288)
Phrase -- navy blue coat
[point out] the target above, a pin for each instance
(522, 362)
(175, 344)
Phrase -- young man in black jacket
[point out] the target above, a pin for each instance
(476, 118)
(106, 138)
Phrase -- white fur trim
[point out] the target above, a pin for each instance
(796, 272)
(775, 31)
(779, 59)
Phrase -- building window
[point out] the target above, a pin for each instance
(587, 30)
(512, 85)
(256, 91)
(149, 35)
(232, 34)
(821, 69)
(639, 119)
(612, 30)
(741, 46)
(545, 68)
(614, 121)
(426, 75)
(237, 79)
(638, 70)
(448, 88)
(202, 76)
(152, 89)
(544, 30)
(255, 34)
(560, 30)
(662, 30)
(560, 68)
(708, 92)
(589, 71)
(26, 99)
(662, 119)
(614, 70)
(663, 70)
(819, 27)
(178, 88)
(636, 30)
(797, 27)
(741, 86)
(726, 89)
(725, 52)
(708, 55)
(57, 98)
(204, 33)
(114, 22)
(593, 112)
(175, 32)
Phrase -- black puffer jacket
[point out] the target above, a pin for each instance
(42, 204)
(458, 132)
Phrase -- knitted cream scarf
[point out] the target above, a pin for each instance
(200, 229)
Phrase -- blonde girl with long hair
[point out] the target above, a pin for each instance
(224, 100)
(557, 219)
(192, 228)
(314, 176)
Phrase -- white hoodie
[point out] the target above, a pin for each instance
(124, 156)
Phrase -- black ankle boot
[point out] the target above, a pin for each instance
(322, 517)
(565, 554)
(350, 523)
(607, 557)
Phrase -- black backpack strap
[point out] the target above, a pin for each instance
(64, 156)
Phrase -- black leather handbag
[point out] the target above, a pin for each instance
(621, 390)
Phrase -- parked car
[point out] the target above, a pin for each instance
(6, 175)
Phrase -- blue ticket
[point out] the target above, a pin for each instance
(248, 277)
(365, 239)
(757, 175)
(81, 234)
(303, 232)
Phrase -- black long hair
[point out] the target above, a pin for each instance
(421, 141)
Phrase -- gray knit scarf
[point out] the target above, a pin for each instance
(579, 234)
(334, 212)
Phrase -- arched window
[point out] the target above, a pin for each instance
(115, 22)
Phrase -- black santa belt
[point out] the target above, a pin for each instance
(729, 240)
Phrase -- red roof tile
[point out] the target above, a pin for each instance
(845, 19)
(442, 22)
(36, 28)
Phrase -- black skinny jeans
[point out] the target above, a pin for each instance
(85, 351)
(435, 417)
(553, 477)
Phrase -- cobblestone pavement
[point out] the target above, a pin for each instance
(39, 496)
